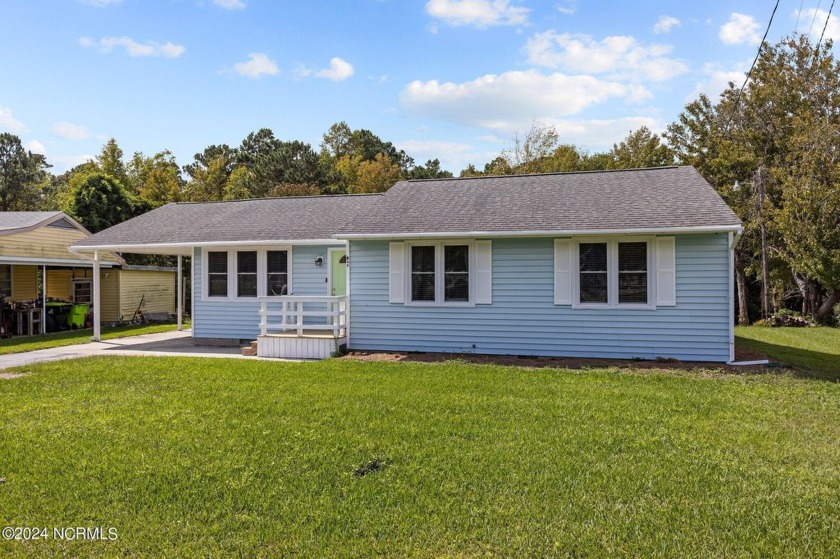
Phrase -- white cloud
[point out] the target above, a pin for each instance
(453, 156)
(665, 23)
(230, 4)
(568, 7)
(817, 17)
(63, 163)
(478, 13)
(600, 134)
(513, 99)
(717, 79)
(259, 64)
(740, 29)
(619, 56)
(9, 123)
(133, 48)
(70, 131)
(36, 147)
(339, 70)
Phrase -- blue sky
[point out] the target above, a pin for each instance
(453, 79)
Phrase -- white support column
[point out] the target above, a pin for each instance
(180, 291)
(44, 300)
(97, 315)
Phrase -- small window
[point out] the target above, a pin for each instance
(593, 273)
(217, 274)
(456, 273)
(246, 274)
(277, 270)
(6, 280)
(632, 273)
(423, 273)
(82, 291)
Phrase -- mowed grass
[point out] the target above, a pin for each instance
(191, 457)
(813, 350)
(21, 344)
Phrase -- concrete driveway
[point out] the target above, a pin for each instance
(165, 343)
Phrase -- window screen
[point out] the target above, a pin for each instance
(423, 273)
(632, 273)
(246, 274)
(6, 280)
(456, 273)
(82, 291)
(277, 271)
(593, 272)
(217, 274)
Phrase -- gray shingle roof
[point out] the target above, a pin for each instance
(627, 200)
(270, 219)
(20, 220)
(669, 197)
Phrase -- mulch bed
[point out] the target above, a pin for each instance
(741, 354)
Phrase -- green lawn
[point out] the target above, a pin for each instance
(814, 350)
(71, 337)
(190, 457)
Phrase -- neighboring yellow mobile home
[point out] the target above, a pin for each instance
(34, 252)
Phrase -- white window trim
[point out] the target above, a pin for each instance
(612, 273)
(439, 273)
(73, 283)
(233, 276)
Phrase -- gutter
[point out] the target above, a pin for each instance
(149, 248)
(544, 233)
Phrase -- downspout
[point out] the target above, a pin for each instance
(733, 240)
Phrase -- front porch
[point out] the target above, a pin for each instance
(302, 327)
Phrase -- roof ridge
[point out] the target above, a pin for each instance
(594, 171)
(357, 195)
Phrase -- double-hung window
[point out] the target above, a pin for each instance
(247, 273)
(277, 272)
(82, 291)
(440, 273)
(217, 274)
(613, 273)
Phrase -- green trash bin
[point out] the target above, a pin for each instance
(76, 318)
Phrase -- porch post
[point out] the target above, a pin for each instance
(96, 303)
(180, 291)
(44, 299)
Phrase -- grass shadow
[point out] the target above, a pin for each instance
(805, 363)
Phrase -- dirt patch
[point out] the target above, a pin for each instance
(741, 354)
(12, 375)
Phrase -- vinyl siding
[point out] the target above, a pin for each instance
(45, 242)
(24, 283)
(523, 319)
(60, 286)
(155, 288)
(239, 318)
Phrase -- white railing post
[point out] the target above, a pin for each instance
(299, 318)
(293, 314)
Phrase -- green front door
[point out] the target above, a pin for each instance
(338, 267)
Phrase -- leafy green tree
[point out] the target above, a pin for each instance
(99, 201)
(431, 170)
(21, 174)
(157, 179)
(110, 162)
(292, 162)
(209, 180)
(639, 149)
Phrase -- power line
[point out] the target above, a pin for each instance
(813, 19)
(828, 17)
(757, 54)
(798, 13)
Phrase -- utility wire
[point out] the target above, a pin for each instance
(828, 17)
(813, 19)
(757, 54)
(798, 13)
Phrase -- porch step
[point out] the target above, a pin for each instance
(250, 350)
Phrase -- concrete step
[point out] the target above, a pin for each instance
(250, 350)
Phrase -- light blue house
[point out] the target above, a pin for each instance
(614, 264)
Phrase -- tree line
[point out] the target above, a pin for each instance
(770, 149)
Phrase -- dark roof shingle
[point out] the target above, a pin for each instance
(627, 200)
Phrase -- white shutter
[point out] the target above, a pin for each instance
(396, 273)
(666, 272)
(483, 272)
(562, 272)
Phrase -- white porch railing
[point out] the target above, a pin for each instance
(292, 312)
